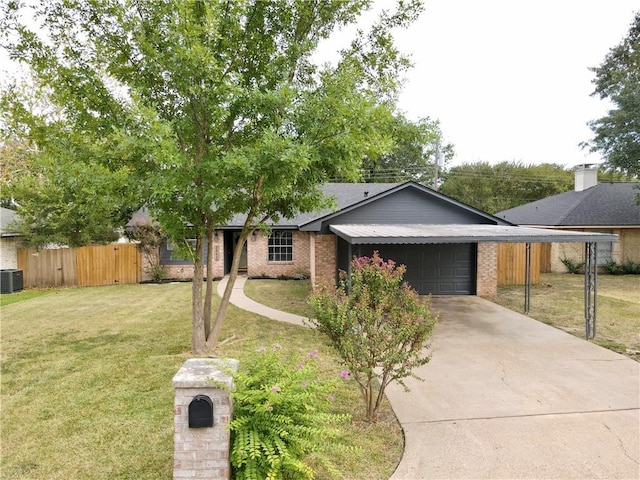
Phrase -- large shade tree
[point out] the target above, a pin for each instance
(493, 188)
(617, 134)
(210, 108)
(413, 156)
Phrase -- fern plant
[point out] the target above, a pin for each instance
(280, 418)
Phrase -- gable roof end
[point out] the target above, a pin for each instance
(314, 223)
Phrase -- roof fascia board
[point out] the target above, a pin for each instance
(571, 227)
(314, 225)
(542, 237)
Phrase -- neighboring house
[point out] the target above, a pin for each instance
(9, 240)
(447, 246)
(590, 207)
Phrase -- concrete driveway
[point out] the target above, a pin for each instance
(508, 397)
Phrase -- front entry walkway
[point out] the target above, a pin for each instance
(240, 300)
(508, 397)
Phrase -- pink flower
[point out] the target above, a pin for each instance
(313, 354)
(269, 408)
(275, 388)
(344, 374)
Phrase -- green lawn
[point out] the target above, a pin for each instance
(559, 301)
(288, 295)
(86, 383)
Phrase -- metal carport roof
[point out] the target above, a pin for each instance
(476, 233)
(419, 233)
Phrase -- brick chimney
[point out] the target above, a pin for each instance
(586, 176)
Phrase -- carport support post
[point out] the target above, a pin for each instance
(527, 278)
(590, 288)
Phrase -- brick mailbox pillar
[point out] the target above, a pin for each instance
(202, 411)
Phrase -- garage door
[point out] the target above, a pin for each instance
(437, 269)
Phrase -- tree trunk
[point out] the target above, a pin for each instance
(224, 303)
(209, 291)
(198, 340)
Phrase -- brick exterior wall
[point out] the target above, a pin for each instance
(629, 244)
(559, 251)
(325, 259)
(9, 253)
(258, 264)
(487, 274)
(627, 248)
(202, 452)
(185, 271)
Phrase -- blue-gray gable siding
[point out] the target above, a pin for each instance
(406, 206)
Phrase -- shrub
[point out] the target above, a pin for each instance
(573, 266)
(280, 417)
(379, 328)
(627, 268)
(157, 272)
(149, 238)
(632, 268)
(613, 268)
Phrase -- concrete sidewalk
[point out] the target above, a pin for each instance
(507, 397)
(240, 300)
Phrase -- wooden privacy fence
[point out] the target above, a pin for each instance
(511, 262)
(85, 266)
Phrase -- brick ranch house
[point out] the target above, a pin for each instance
(589, 207)
(449, 248)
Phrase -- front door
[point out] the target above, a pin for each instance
(231, 239)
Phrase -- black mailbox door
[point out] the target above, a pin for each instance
(201, 412)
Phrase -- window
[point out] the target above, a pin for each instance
(603, 251)
(281, 246)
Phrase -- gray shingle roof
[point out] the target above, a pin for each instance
(605, 204)
(7, 217)
(344, 195)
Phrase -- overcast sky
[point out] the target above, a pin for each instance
(510, 79)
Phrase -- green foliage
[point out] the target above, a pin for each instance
(413, 154)
(280, 417)
(573, 266)
(494, 188)
(613, 268)
(213, 108)
(627, 268)
(632, 268)
(149, 238)
(72, 204)
(618, 80)
(378, 325)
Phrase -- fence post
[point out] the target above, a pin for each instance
(201, 449)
